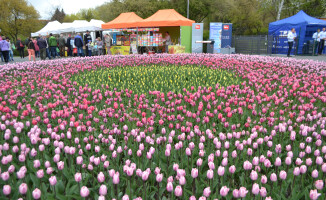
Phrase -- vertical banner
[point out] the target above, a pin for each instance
(197, 35)
(215, 33)
(185, 34)
(226, 35)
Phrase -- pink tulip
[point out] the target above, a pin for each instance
(125, 197)
(210, 174)
(103, 190)
(207, 192)
(235, 193)
(314, 194)
(100, 177)
(220, 171)
(178, 191)
(194, 172)
(78, 177)
(84, 192)
(6, 190)
(116, 179)
(273, 177)
(224, 191)
(23, 188)
(159, 178)
(169, 187)
(255, 189)
(253, 175)
(283, 175)
(145, 175)
(263, 192)
(36, 193)
(243, 192)
(319, 184)
(53, 180)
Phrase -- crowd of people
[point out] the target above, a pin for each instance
(318, 37)
(319, 41)
(55, 47)
(6, 49)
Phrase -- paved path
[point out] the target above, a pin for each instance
(18, 60)
(317, 58)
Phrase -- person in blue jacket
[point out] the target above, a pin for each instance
(79, 43)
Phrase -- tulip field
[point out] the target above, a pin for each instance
(163, 127)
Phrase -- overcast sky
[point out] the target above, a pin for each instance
(46, 7)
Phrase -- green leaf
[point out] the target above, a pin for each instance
(59, 187)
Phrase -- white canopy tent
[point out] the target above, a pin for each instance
(93, 25)
(64, 26)
(51, 27)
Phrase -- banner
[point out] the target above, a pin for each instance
(226, 36)
(177, 49)
(197, 35)
(215, 33)
(120, 50)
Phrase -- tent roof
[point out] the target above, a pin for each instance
(51, 27)
(167, 17)
(299, 18)
(124, 20)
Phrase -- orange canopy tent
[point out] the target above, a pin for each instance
(124, 20)
(167, 17)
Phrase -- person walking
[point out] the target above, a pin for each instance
(322, 35)
(41, 42)
(79, 44)
(87, 38)
(4, 46)
(11, 48)
(48, 53)
(89, 46)
(316, 37)
(31, 49)
(108, 42)
(68, 45)
(291, 37)
(100, 46)
(2, 60)
(20, 47)
(37, 49)
(53, 45)
(62, 44)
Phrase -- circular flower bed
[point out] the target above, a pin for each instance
(163, 127)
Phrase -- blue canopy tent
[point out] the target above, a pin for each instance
(304, 25)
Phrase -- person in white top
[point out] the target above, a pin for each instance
(316, 37)
(322, 36)
(291, 37)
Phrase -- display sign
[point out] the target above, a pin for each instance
(174, 49)
(226, 36)
(120, 50)
(197, 35)
(215, 33)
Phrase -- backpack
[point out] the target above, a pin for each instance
(31, 45)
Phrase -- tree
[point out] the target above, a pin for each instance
(58, 15)
(87, 14)
(18, 18)
(71, 18)
(315, 8)
(247, 17)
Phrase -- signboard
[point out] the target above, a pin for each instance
(197, 35)
(174, 49)
(120, 50)
(226, 36)
(215, 33)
